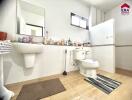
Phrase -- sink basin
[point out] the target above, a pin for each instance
(29, 51)
(27, 48)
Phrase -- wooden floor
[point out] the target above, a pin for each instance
(78, 89)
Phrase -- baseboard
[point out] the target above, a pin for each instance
(46, 77)
(124, 68)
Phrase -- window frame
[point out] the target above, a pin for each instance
(81, 18)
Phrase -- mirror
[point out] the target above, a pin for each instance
(30, 19)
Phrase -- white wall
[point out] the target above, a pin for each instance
(106, 56)
(123, 36)
(8, 18)
(103, 34)
(96, 16)
(57, 11)
(92, 17)
(122, 24)
(58, 24)
(124, 57)
(103, 38)
(57, 18)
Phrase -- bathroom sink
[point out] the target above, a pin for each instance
(28, 48)
(29, 51)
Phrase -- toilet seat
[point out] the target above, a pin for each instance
(90, 63)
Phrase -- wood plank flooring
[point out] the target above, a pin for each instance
(78, 89)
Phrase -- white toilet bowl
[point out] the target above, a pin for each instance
(87, 66)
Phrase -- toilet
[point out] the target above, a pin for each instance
(86, 64)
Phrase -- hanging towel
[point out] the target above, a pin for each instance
(3, 36)
(5, 46)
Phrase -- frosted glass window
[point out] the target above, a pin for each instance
(83, 23)
(75, 20)
(79, 21)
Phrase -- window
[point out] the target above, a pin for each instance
(79, 21)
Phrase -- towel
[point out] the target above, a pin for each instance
(5, 46)
(3, 36)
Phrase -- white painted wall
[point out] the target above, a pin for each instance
(58, 24)
(99, 15)
(106, 56)
(122, 24)
(92, 17)
(57, 18)
(8, 18)
(124, 57)
(123, 36)
(61, 28)
(104, 34)
(96, 16)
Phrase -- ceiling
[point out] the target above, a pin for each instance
(105, 5)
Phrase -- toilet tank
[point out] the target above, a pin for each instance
(79, 54)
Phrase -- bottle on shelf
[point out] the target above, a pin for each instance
(69, 42)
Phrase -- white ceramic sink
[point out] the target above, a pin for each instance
(27, 48)
(29, 51)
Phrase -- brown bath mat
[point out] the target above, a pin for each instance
(37, 91)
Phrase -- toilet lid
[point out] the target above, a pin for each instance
(90, 63)
(89, 60)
